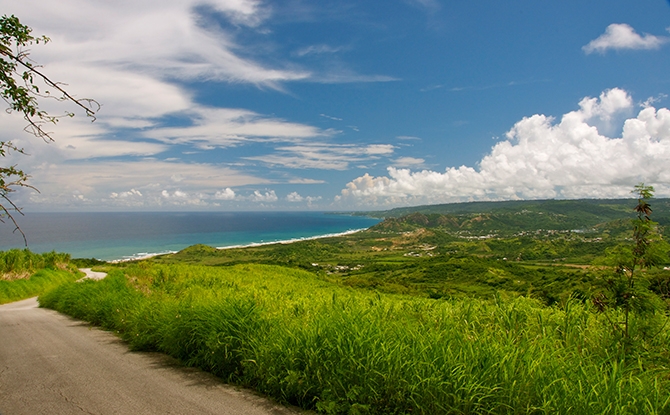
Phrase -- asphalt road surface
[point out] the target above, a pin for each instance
(94, 275)
(52, 364)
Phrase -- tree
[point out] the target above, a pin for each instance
(627, 290)
(19, 88)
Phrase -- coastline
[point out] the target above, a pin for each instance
(143, 255)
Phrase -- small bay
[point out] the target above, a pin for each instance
(116, 236)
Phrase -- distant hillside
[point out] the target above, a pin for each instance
(515, 216)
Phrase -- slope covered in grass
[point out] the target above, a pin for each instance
(304, 340)
(24, 274)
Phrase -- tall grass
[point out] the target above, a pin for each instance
(24, 274)
(337, 350)
(42, 281)
(20, 263)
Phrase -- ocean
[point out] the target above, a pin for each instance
(119, 236)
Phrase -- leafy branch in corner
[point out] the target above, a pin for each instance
(18, 75)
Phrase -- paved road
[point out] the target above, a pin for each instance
(52, 364)
(94, 275)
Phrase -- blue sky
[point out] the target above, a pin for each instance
(338, 105)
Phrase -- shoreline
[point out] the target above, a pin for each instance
(144, 255)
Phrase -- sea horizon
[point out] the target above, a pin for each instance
(119, 236)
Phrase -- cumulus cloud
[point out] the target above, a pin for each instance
(622, 36)
(294, 197)
(544, 158)
(181, 198)
(123, 195)
(267, 197)
(225, 194)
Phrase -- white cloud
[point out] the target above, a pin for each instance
(325, 156)
(267, 197)
(181, 198)
(331, 118)
(343, 76)
(225, 194)
(226, 127)
(623, 36)
(131, 57)
(408, 161)
(378, 149)
(294, 197)
(123, 195)
(172, 39)
(542, 158)
(163, 38)
(105, 182)
(318, 50)
(301, 180)
(127, 55)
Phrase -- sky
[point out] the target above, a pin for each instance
(345, 105)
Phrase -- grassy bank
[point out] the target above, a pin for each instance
(318, 345)
(24, 274)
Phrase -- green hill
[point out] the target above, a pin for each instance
(517, 216)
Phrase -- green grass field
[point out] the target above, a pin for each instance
(321, 345)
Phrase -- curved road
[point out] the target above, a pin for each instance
(94, 275)
(52, 364)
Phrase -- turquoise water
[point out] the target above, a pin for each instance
(115, 236)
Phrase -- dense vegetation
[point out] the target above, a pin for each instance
(445, 255)
(425, 313)
(535, 214)
(24, 274)
(317, 344)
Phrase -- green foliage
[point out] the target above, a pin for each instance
(536, 214)
(25, 274)
(19, 261)
(497, 322)
(20, 91)
(38, 283)
(87, 262)
(659, 282)
(301, 339)
(627, 289)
